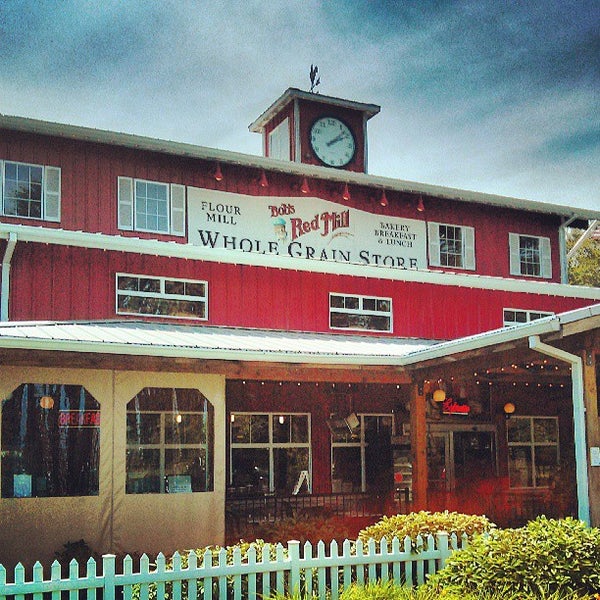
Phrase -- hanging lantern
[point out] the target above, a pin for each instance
(439, 395)
(46, 402)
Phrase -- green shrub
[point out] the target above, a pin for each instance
(546, 557)
(424, 523)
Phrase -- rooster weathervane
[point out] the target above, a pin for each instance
(315, 80)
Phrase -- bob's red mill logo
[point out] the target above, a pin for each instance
(324, 223)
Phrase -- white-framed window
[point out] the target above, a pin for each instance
(170, 442)
(533, 455)
(451, 246)
(151, 206)
(530, 255)
(268, 451)
(279, 141)
(361, 456)
(513, 316)
(161, 297)
(360, 312)
(30, 191)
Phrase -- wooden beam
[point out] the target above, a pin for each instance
(590, 399)
(276, 371)
(418, 443)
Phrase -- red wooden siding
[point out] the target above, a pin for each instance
(89, 194)
(60, 283)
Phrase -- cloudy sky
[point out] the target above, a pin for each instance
(488, 95)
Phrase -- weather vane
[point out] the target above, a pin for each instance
(314, 79)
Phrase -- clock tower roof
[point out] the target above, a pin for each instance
(291, 94)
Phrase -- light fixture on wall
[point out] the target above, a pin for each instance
(509, 409)
(420, 205)
(383, 200)
(263, 181)
(281, 419)
(47, 402)
(346, 192)
(304, 187)
(439, 395)
(218, 172)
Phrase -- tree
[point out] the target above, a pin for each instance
(584, 265)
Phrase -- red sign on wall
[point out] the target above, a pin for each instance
(79, 418)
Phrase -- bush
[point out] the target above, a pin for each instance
(424, 523)
(545, 557)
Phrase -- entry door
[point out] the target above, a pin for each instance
(457, 461)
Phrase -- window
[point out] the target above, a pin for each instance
(532, 451)
(530, 256)
(279, 141)
(513, 316)
(50, 442)
(151, 206)
(169, 442)
(361, 457)
(268, 451)
(161, 297)
(360, 312)
(451, 246)
(30, 191)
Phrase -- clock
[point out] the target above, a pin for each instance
(332, 142)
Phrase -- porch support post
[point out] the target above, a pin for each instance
(590, 398)
(418, 444)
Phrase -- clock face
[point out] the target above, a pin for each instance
(332, 141)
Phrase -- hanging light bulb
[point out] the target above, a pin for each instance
(346, 192)
(263, 182)
(420, 205)
(383, 201)
(218, 173)
(304, 187)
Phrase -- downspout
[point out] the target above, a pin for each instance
(11, 242)
(583, 497)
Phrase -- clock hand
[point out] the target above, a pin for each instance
(336, 139)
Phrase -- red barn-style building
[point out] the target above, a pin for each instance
(189, 333)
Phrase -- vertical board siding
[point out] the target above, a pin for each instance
(89, 194)
(57, 283)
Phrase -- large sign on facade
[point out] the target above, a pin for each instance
(304, 228)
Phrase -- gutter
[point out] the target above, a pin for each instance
(6, 261)
(583, 495)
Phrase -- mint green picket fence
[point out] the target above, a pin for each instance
(305, 570)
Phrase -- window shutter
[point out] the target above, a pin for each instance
(514, 246)
(545, 258)
(125, 203)
(177, 209)
(433, 231)
(469, 242)
(52, 193)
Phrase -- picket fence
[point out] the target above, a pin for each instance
(279, 570)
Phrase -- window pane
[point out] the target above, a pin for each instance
(346, 469)
(185, 429)
(174, 287)
(282, 429)
(300, 429)
(143, 428)
(287, 464)
(369, 304)
(519, 429)
(520, 470)
(352, 303)
(143, 471)
(546, 462)
(185, 470)
(50, 442)
(250, 469)
(336, 301)
(545, 430)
